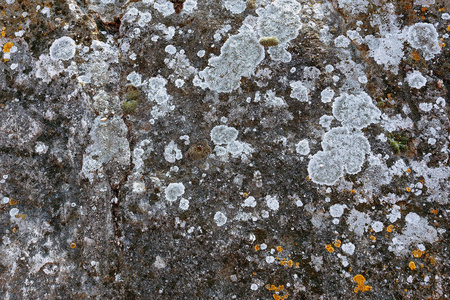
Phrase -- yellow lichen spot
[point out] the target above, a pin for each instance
(290, 263)
(307, 178)
(12, 201)
(424, 9)
(373, 238)
(408, 189)
(257, 248)
(283, 263)
(15, 230)
(254, 273)
(390, 228)
(352, 191)
(337, 243)
(417, 253)
(432, 260)
(279, 248)
(276, 297)
(408, 170)
(7, 47)
(245, 195)
(297, 264)
(412, 265)
(415, 55)
(434, 211)
(448, 27)
(73, 245)
(359, 279)
(329, 248)
(441, 9)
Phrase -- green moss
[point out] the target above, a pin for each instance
(129, 107)
(269, 41)
(132, 93)
(399, 142)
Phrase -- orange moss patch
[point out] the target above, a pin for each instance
(337, 243)
(7, 47)
(359, 279)
(412, 265)
(417, 253)
(329, 248)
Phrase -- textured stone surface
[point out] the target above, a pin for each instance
(148, 154)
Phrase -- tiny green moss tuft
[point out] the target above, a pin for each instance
(198, 151)
(269, 41)
(132, 93)
(129, 107)
(399, 142)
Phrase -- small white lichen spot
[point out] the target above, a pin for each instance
(174, 190)
(327, 95)
(222, 134)
(377, 226)
(423, 36)
(159, 262)
(272, 202)
(348, 248)
(337, 210)
(170, 49)
(172, 153)
(342, 41)
(62, 49)
(254, 287)
(41, 148)
(184, 204)
(302, 147)
(220, 218)
(416, 80)
(249, 202)
(270, 259)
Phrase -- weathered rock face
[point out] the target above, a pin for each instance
(224, 149)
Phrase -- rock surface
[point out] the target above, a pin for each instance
(286, 149)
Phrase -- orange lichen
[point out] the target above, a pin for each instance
(359, 279)
(337, 243)
(390, 228)
(245, 195)
(279, 248)
(272, 287)
(12, 201)
(448, 28)
(307, 178)
(290, 263)
(417, 253)
(283, 262)
(424, 9)
(415, 55)
(297, 264)
(329, 248)
(352, 191)
(73, 245)
(408, 189)
(434, 211)
(7, 47)
(15, 230)
(408, 170)
(373, 238)
(257, 248)
(412, 265)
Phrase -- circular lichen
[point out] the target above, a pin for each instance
(129, 107)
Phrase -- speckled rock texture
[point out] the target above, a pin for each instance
(229, 149)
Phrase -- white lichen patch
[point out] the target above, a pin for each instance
(416, 80)
(172, 153)
(238, 58)
(355, 111)
(327, 95)
(173, 191)
(222, 134)
(415, 231)
(280, 19)
(423, 36)
(220, 218)
(63, 48)
(302, 147)
(109, 143)
(337, 210)
(299, 91)
(272, 202)
(358, 222)
(348, 248)
(155, 88)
